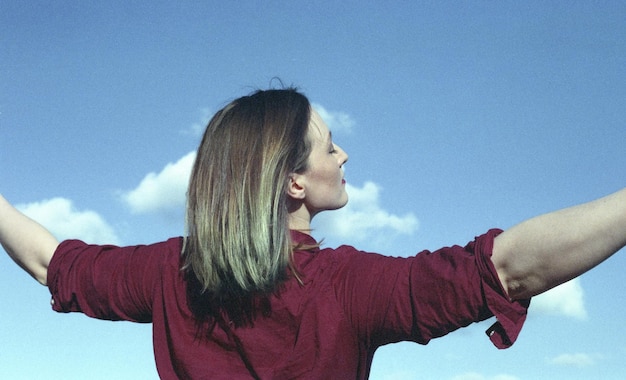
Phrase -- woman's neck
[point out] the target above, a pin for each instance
(300, 219)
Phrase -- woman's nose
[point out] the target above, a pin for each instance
(343, 157)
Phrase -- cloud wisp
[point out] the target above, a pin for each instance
(197, 129)
(336, 121)
(578, 360)
(566, 300)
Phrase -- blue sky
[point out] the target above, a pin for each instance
(458, 117)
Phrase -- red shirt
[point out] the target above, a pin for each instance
(351, 302)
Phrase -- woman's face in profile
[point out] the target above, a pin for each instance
(323, 181)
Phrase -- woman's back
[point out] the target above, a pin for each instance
(327, 326)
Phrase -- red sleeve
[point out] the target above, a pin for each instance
(426, 296)
(510, 315)
(107, 282)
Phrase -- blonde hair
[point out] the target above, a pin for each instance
(238, 241)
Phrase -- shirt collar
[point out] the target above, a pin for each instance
(302, 238)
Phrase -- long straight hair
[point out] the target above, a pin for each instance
(238, 242)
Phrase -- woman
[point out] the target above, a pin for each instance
(253, 296)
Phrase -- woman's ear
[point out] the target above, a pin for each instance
(294, 186)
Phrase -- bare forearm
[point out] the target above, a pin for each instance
(28, 243)
(547, 250)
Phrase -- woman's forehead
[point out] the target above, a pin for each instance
(317, 126)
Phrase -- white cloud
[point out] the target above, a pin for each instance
(337, 121)
(363, 217)
(197, 129)
(164, 191)
(574, 360)
(66, 222)
(566, 299)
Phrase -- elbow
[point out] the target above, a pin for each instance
(40, 274)
(41, 269)
(38, 269)
(519, 283)
(42, 279)
(518, 278)
(517, 289)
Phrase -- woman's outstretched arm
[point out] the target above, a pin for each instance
(27, 242)
(550, 249)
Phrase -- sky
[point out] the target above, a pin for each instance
(457, 116)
